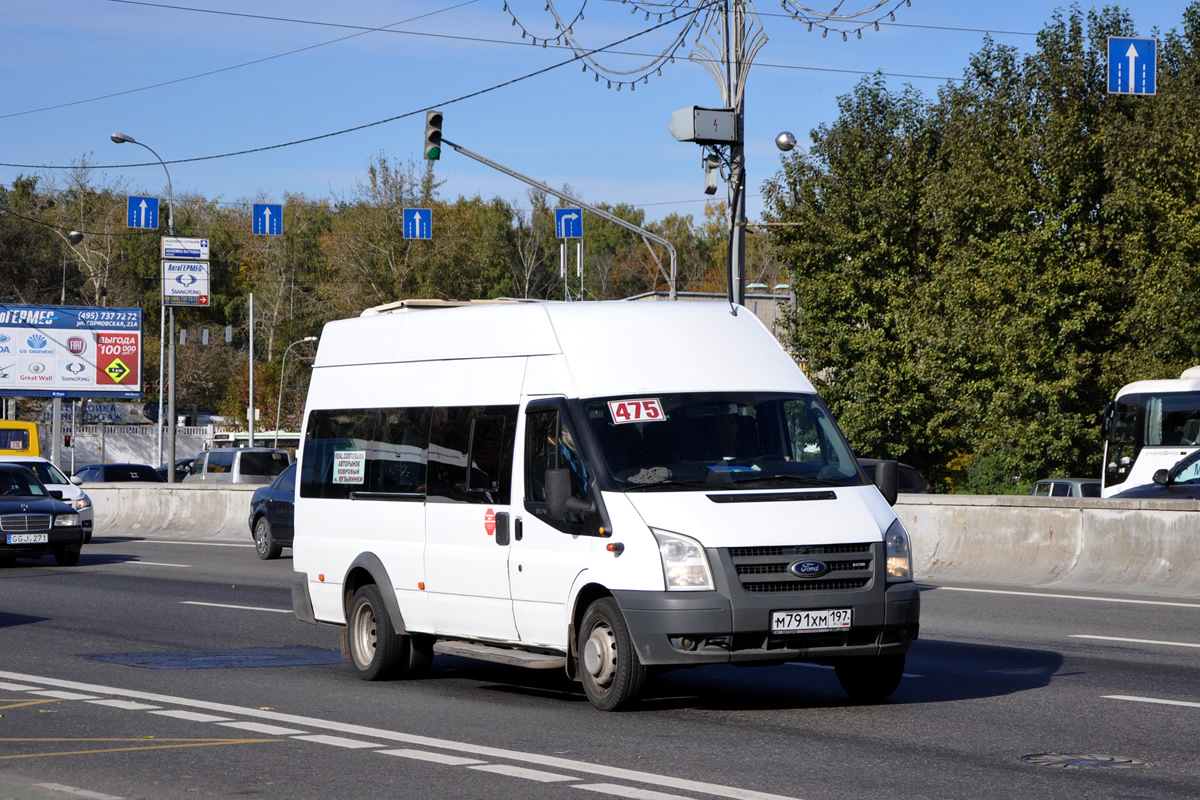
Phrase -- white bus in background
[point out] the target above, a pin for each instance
(1150, 426)
(606, 488)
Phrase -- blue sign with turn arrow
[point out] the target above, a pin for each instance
(1131, 65)
(568, 223)
(141, 212)
(268, 219)
(418, 223)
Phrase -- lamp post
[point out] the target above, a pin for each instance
(73, 238)
(121, 138)
(282, 368)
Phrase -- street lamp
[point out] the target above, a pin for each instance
(73, 238)
(282, 368)
(121, 138)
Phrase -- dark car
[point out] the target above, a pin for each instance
(182, 467)
(271, 514)
(118, 473)
(34, 523)
(1180, 482)
(909, 479)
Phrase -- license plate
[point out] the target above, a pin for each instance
(830, 619)
(28, 538)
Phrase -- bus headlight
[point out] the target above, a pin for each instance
(899, 554)
(684, 562)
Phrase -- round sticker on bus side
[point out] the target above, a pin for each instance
(489, 522)
(646, 409)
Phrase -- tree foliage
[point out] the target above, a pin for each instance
(977, 274)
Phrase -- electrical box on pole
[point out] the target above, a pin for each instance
(704, 125)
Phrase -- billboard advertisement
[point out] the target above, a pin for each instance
(70, 351)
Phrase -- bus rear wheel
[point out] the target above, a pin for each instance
(377, 650)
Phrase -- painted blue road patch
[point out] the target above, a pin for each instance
(224, 659)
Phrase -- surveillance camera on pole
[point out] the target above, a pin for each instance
(712, 173)
(433, 135)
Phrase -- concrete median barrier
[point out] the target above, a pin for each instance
(1132, 546)
(202, 510)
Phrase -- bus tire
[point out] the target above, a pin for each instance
(870, 679)
(609, 667)
(377, 651)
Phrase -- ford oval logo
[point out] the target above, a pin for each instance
(809, 569)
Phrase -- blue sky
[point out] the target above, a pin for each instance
(561, 127)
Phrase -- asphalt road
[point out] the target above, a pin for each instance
(159, 669)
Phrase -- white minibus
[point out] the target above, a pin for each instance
(608, 488)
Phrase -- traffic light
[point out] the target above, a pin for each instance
(67, 440)
(433, 135)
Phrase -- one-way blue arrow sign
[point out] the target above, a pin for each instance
(568, 223)
(268, 219)
(418, 223)
(141, 212)
(1131, 65)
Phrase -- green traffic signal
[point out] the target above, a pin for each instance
(433, 135)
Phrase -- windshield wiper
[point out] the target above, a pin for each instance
(670, 483)
(776, 478)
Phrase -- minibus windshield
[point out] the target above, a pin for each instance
(695, 440)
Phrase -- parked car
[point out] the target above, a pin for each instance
(1180, 482)
(1066, 487)
(34, 523)
(239, 465)
(910, 479)
(118, 473)
(55, 481)
(183, 466)
(271, 514)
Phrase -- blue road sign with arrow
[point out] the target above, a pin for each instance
(268, 219)
(418, 223)
(568, 223)
(1131, 65)
(141, 212)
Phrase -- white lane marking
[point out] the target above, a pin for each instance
(158, 564)
(626, 791)
(196, 544)
(1155, 700)
(128, 705)
(71, 790)
(239, 608)
(524, 772)
(16, 687)
(1133, 641)
(437, 758)
(258, 727)
(1071, 597)
(338, 741)
(191, 716)
(826, 666)
(65, 695)
(610, 772)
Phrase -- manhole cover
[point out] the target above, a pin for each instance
(225, 659)
(1081, 760)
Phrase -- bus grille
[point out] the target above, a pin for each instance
(764, 570)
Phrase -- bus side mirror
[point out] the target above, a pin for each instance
(1162, 477)
(887, 480)
(559, 500)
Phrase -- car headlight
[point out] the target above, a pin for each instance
(684, 562)
(899, 554)
(66, 521)
(82, 502)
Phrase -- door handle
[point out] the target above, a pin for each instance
(502, 528)
(518, 529)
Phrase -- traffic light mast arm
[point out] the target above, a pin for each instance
(646, 235)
